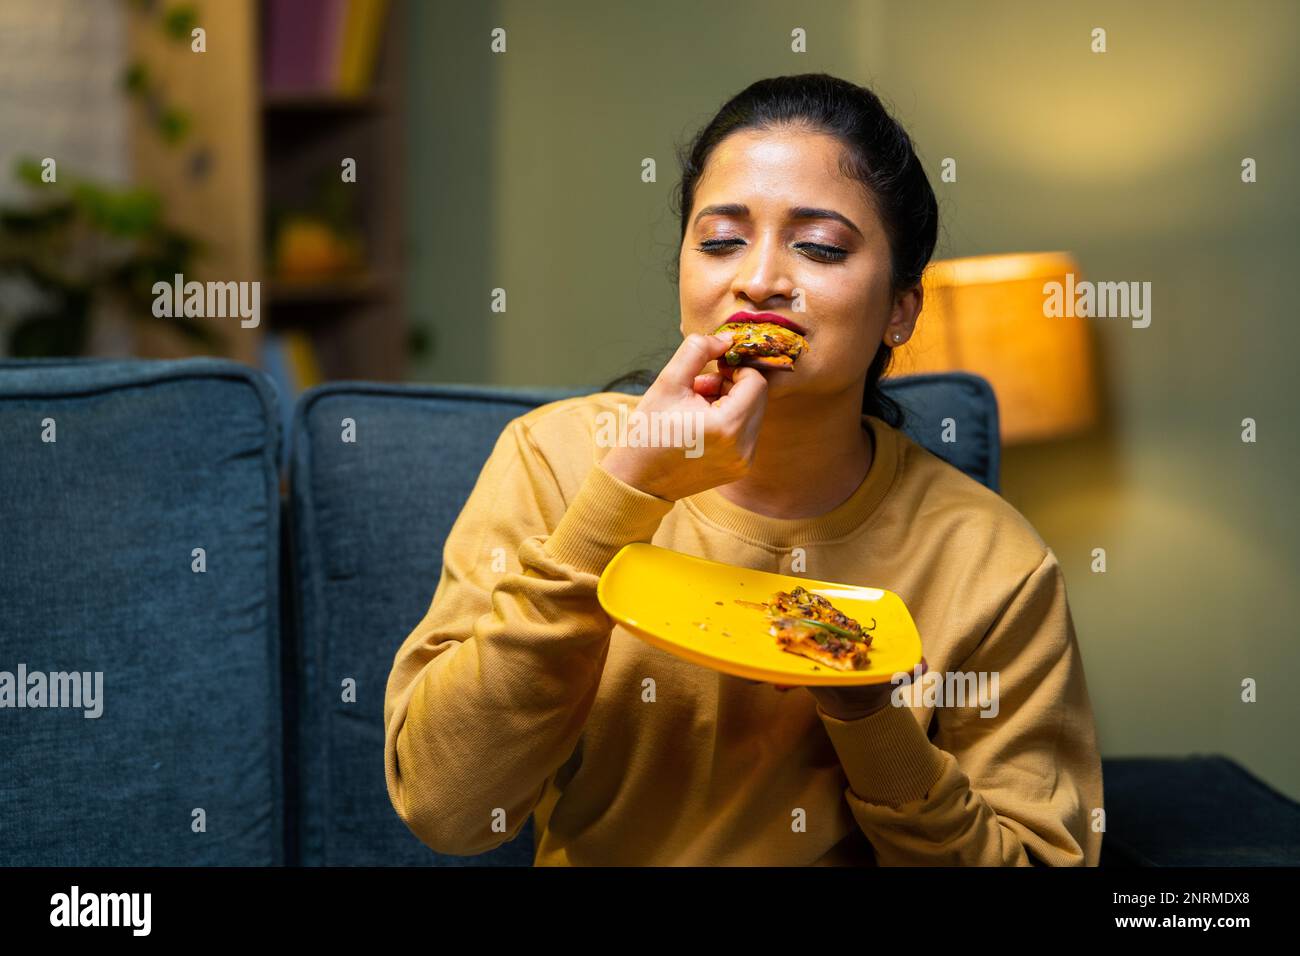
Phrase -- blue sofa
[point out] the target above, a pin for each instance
(147, 534)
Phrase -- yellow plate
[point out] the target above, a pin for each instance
(664, 597)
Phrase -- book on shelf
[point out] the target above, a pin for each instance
(321, 46)
(360, 45)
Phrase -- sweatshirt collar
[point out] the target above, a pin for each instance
(836, 523)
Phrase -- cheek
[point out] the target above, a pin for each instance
(699, 292)
(864, 297)
(839, 291)
(845, 309)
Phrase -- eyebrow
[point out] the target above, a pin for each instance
(795, 212)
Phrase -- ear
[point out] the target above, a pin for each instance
(902, 319)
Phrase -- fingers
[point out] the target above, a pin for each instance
(712, 385)
(748, 386)
(709, 384)
(691, 356)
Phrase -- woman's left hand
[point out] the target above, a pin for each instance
(854, 703)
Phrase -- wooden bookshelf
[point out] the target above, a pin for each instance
(356, 321)
(362, 288)
(327, 103)
(268, 150)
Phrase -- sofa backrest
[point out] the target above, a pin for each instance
(112, 476)
(369, 519)
(932, 400)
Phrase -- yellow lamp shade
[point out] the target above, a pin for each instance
(985, 314)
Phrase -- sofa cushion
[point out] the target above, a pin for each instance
(150, 460)
(1195, 811)
(368, 521)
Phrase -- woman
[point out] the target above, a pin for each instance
(517, 695)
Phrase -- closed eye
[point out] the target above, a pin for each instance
(823, 253)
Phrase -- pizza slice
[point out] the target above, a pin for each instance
(807, 624)
(803, 603)
(816, 641)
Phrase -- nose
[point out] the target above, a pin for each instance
(762, 274)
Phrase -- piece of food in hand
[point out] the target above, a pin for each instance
(807, 624)
(762, 345)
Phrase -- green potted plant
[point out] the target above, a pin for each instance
(84, 252)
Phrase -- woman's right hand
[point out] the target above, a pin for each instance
(728, 408)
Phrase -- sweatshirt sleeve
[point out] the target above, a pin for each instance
(1017, 788)
(489, 694)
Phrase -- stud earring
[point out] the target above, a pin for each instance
(898, 337)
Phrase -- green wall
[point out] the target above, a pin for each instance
(525, 168)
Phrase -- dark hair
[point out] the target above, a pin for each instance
(878, 153)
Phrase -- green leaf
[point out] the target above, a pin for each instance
(32, 223)
(28, 170)
(179, 21)
(173, 124)
(135, 80)
(851, 635)
(129, 213)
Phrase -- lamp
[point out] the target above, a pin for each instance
(985, 314)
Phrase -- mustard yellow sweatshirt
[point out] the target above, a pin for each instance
(516, 694)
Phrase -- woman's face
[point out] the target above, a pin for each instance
(774, 221)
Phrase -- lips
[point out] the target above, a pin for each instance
(772, 317)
